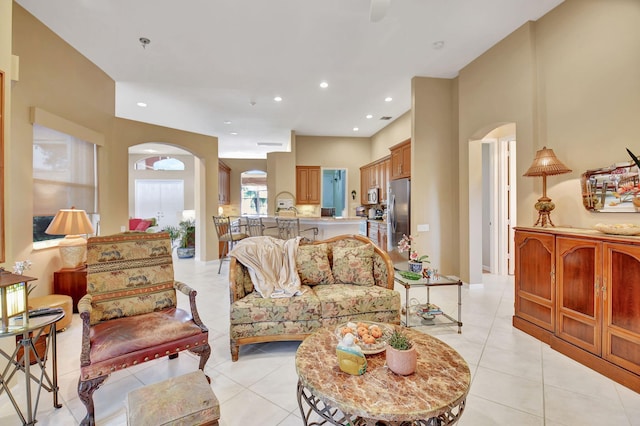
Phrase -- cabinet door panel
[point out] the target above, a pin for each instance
(624, 291)
(622, 306)
(535, 280)
(579, 304)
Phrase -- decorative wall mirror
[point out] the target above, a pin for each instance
(613, 189)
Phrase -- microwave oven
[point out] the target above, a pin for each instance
(372, 196)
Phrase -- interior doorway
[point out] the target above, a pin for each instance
(162, 199)
(492, 191)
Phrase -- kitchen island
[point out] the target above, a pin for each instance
(327, 226)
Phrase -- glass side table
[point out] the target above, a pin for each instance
(429, 312)
(28, 334)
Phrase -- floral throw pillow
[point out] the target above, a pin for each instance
(313, 265)
(353, 265)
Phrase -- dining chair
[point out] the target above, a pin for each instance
(229, 233)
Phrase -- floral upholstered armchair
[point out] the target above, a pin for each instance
(129, 314)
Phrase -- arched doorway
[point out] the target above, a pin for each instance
(162, 183)
(492, 202)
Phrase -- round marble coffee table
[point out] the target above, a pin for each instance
(434, 395)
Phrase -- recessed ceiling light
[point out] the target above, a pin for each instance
(142, 104)
(388, 99)
(369, 116)
(355, 129)
(277, 99)
(324, 84)
(226, 122)
(234, 133)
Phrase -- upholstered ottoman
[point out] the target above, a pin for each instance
(180, 401)
(55, 301)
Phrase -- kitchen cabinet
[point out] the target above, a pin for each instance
(377, 233)
(224, 183)
(579, 291)
(401, 160)
(364, 184)
(375, 175)
(308, 184)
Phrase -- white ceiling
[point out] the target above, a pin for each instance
(211, 61)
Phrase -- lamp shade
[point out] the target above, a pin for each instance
(70, 222)
(546, 164)
(73, 248)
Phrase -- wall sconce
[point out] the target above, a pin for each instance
(353, 194)
(545, 164)
(13, 297)
(73, 247)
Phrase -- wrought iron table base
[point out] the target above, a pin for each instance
(334, 416)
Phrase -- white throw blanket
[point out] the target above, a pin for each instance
(272, 265)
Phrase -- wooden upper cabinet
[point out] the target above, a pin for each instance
(364, 184)
(375, 175)
(401, 160)
(579, 295)
(308, 184)
(224, 183)
(385, 170)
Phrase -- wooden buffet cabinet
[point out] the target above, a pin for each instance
(579, 291)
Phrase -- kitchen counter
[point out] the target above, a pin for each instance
(327, 226)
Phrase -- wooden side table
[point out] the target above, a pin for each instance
(72, 282)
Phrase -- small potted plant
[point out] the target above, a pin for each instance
(415, 260)
(401, 354)
(183, 237)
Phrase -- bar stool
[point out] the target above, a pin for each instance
(290, 228)
(228, 233)
(254, 226)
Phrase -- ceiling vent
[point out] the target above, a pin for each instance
(385, 117)
(269, 144)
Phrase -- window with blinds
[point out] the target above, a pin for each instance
(64, 176)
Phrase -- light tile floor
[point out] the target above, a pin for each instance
(516, 380)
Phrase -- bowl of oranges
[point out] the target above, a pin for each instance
(370, 336)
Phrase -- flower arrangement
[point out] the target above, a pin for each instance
(405, 245)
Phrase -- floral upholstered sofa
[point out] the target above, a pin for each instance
(344, 278)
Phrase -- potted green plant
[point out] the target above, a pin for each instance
(183, 237)
(401, 354)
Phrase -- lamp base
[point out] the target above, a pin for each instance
(544, 207)
(73, 251)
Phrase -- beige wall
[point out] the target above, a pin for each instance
(397, 131)
(5, 67)
(589, 92)
(568, 81)
(57, 79)
(336, 153)
(433, 172)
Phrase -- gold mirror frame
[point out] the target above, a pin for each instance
(612, 189)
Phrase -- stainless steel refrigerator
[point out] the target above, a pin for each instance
(398, 214)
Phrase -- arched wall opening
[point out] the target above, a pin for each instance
(492, 200)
